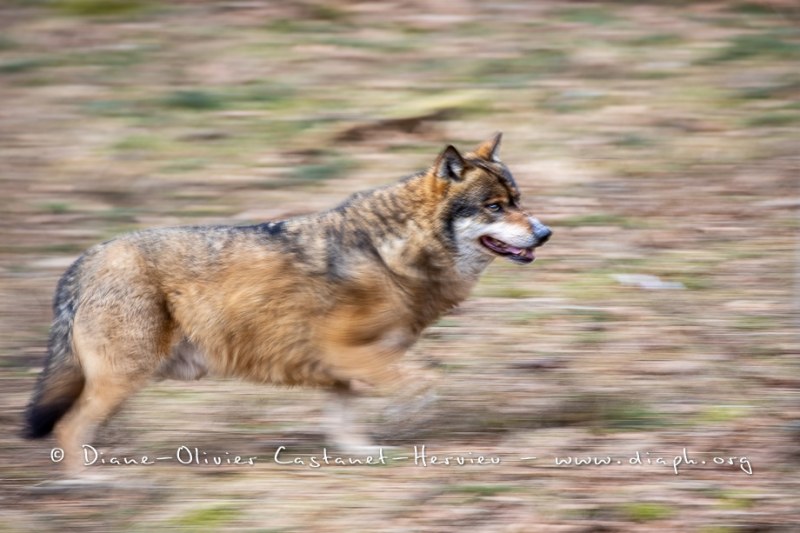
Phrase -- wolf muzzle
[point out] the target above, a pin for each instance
(541, 232)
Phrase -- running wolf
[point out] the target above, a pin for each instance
(330, 300)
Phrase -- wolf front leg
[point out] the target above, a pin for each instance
(343, 429)
(365, 368)
(413, 393)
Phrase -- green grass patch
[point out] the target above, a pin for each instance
(623, 415)
(594, 16)
(736, 500)
(194, 100)
(99, 8)
(754, 8)
(697, 282)
(507, 291)
(777, 45)
(386, 47)
(720, 414)
(318, 172)
(524, 318)
(120, 215)
(112, 108)
(755, 323)
(138, 143)
(16, 66)
(271, 95)
(6, 43)
(282, 25)
(608, 412)
(632, 140)
(601, 219)
(257, 96)
(653, 74)
(307, 27)
(56, 208)
(310, 174)
(593, 285)
(646, 511)
(775, 120)
(656, 39)
(529, 65)
(596, 316)
(209, 518)
(786, 88)
(61, 248)
(592, 338)
(502, 283)
(183, 165)
(108, 58)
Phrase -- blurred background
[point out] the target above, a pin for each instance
(659, 139)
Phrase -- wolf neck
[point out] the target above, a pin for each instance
(393, 228)
(400, 223)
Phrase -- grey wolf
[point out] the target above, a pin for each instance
(329, 300)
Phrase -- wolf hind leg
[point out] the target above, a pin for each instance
(100, 398)
(117, 360)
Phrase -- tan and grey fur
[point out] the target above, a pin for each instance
(327, 300)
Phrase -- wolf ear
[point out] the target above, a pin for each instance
(488, 149)
(449, 164)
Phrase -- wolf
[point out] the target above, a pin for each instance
(328, 300)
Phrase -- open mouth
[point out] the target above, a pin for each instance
(520, 255)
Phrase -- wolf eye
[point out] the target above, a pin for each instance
(494, 208)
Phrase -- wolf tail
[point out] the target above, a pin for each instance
(61, 382)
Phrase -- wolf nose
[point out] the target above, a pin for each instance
(542, 235)
(540, 231)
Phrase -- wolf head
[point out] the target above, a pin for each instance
(483, 215)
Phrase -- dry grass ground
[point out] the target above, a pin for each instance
(656, 138)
